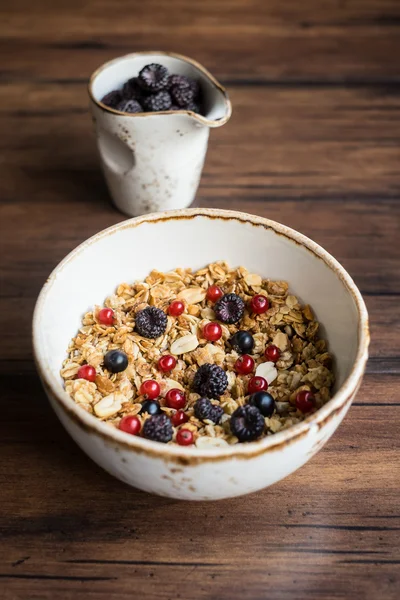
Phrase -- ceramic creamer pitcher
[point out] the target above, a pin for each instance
(153, 161)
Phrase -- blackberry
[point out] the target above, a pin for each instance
(151, 322)
(210, 381)
(195, 87)
(158, 428)
(131, 90)
(247, 423)
(178, 80)
(112, 99)
(157, 102)
(229, 308)
(182, 94)
(182, 79)
(204, 410)
(153, 77)
(194, 107)
(130, 106)
(174, 107)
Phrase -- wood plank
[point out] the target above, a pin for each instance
(352, 146)
(363, 238)
(305, 579)
(312, 143)
(55, 178)
(345, 522)
(318, 39)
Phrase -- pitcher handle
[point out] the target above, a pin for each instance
(116, 153)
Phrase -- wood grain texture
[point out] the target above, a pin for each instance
(313, 143)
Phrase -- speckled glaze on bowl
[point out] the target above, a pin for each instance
(183, 238)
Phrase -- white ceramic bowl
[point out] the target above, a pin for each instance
(194, 238)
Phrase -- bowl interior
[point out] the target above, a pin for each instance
(128, 252)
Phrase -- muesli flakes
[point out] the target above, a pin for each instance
(191, 347)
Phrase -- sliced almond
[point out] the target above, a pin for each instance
(281, 340)
(172, 276)
(253, 279)
(268, 371)
(208, 313)
(109, 405)
(192, 295)
(184, 344)
(205, 442)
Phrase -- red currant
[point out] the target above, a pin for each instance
(244, 364)
(305, 401)
(176, 308)
(184, 437)
(106, 316)
(272, 353)
(166, 363)
(175, 399)
(212, 331)
(87, 372)
(130, 424)
(150, 389)
(257, 384)
(214, 293)
(179, 418)
(259, 304)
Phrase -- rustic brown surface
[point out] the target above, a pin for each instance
(314, 143)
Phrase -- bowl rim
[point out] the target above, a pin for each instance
(199, 67)
(192, 455)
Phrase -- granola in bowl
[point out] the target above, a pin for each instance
(214, 357)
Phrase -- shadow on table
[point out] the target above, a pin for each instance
(58, 161)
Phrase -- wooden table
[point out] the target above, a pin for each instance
(313, 143)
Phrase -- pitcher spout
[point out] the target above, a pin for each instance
(216, 106)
